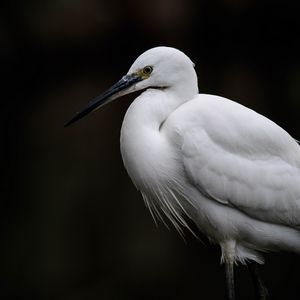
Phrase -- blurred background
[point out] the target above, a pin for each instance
(72, 224)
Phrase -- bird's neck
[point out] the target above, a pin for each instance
(154, 106)
(144, 148)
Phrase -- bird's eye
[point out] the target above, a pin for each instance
(147, 70)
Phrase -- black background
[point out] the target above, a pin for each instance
(72, 224)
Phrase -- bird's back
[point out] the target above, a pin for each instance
(238, 158)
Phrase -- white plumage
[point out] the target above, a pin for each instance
(235, 173)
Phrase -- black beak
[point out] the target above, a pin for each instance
(112, 93)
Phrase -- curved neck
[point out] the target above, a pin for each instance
(141, 129)
(153, 107)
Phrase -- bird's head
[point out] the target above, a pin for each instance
(159, 67)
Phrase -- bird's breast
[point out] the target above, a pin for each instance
(147, 153)
(148, 157)
(157, 171)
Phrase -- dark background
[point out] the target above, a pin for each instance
(72, 224)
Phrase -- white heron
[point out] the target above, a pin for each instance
(230, 170)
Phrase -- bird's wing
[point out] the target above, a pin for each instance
(239, 158)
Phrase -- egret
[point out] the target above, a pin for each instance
(230, 170)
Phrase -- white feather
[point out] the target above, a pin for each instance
(232, 171)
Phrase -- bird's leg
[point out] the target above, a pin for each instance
(228, 257)
(261, 291)
(230, 280)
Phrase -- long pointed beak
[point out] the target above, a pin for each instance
(122, 87)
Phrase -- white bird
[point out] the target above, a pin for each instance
(230, 170)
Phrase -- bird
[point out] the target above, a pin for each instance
(209, 160)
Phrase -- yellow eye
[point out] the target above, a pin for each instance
(147, 70)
